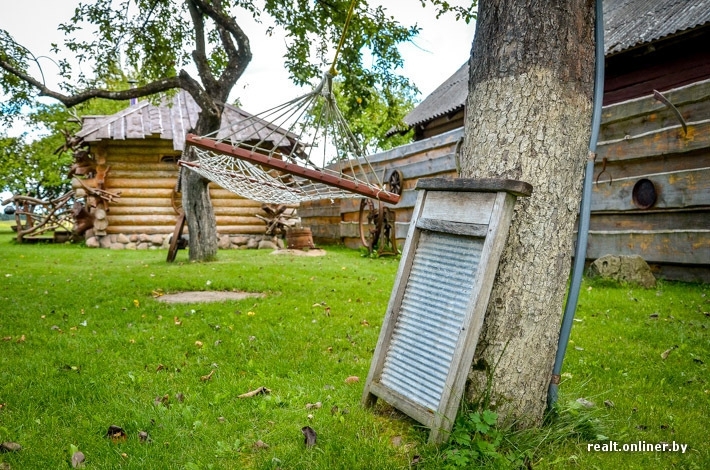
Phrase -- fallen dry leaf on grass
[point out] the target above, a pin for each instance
(207, 377)
(310, 436)
(77, 459)
(352, 379)
(253, 393)
(585, 403)
(116, 434)
(261, 445)
(10, 447)
(311, 406)
(164, 400)
(664, 354)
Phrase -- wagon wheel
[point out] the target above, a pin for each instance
(176, 201)
(368, 215)
(376, 227)
(175, 241)
(388, 237)
(394, 182)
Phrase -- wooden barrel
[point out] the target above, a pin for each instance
(299, 238)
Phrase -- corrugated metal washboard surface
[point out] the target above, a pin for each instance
(433, 309)
(439, 299)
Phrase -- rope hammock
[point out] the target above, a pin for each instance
(271, 157)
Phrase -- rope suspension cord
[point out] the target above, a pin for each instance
(332, 70)
(268, 157)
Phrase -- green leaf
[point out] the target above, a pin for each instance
(490, 417)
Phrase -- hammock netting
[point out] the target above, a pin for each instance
(271, 157)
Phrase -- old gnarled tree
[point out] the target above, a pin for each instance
(528, 117)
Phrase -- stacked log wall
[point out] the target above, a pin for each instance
(642, 139)
(144, 172)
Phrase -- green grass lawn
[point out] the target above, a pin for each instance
(85, 345)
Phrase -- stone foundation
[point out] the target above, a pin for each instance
(162, 241)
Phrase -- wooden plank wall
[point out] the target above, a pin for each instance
(146, 186)
(338, 222)
(640, 139)
(643, 139)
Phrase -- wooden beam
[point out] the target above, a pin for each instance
(667, 246)
(669, 140)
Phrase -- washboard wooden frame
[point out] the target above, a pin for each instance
(434, 317)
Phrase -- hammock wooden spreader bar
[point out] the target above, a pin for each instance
(291, 168)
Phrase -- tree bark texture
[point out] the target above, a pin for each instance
(199, 212)
(528, 117)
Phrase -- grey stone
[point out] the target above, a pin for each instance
(105, 242)
(130, 246)
(280, 243)
(144, 237)
(121, 238)
(224, 242)
(156, 239)
(134, 238)
(632, 269)
(252, 244)
(118, 246)
(239, 240)
(92, 242)
(143, 246)
(267, 245)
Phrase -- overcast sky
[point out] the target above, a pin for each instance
(441, 48)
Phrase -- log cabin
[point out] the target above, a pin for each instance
(651, 195)
(135, 152)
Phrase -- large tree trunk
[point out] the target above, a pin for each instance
(528, 117)
(199, 213)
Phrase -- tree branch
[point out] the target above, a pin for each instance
(157, 86)
(199, 55)
(240, 54)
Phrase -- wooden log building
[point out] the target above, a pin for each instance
(136, 151)
(651, 196)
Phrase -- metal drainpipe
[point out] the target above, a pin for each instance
(584, 212)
